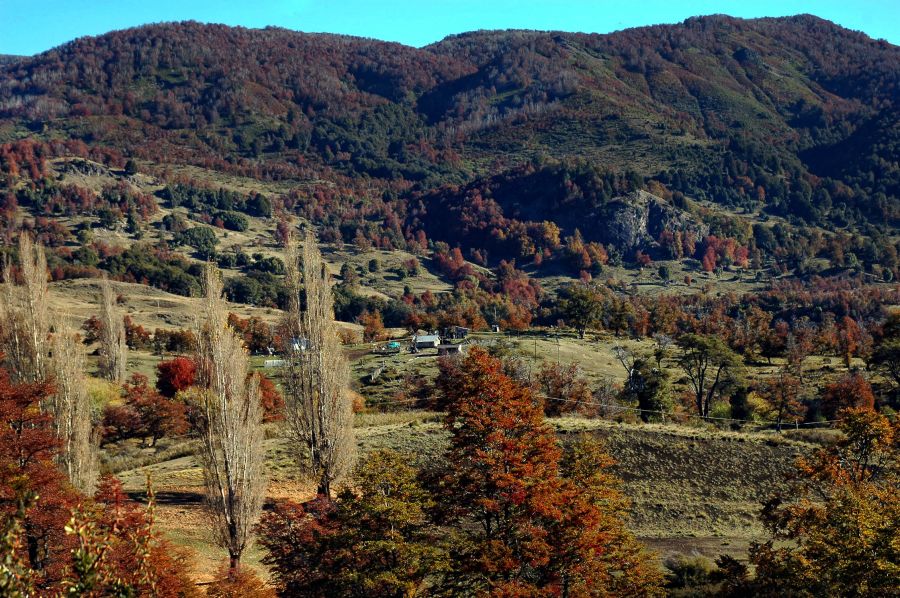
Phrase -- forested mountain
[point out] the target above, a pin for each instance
(792, 117)
(690, 226)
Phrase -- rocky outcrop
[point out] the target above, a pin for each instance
(635, 221)
(82, 166)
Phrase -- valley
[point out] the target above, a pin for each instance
(653, 275)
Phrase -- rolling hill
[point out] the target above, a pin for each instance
(746, 113)
(723, 179)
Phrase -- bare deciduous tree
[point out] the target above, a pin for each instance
(627, 358)
(113, 350)
(32, 356)
(24, 321)
(661, 350)
(231, 448)
(318, 407)
(606, 397)
(71, 408)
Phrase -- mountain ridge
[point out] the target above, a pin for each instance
(743, 113)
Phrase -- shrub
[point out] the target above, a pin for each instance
(142, 263)
(242, 583)
(232, 220)
(257, 288)
(688, 571)
(348, 336)
(201, 238)
(145, 414)
(853, 390)
(271, 400)
(175, 375)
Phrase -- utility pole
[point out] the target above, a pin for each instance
(557, 347)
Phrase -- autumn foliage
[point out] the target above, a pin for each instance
(563, 389)
(835, 532)
(128, 552)
(271, 400)
(175, 375)
(528, 530)
(242, 583)
(421, 149)
(374, 539)
(60, 540)
(507, 515)
(28, 448)
(852, 390)
(145, 413)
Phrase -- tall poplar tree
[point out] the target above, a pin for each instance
(317, 405)
(231, 432)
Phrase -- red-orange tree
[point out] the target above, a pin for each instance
(159, 416)
(373, 326)
(28, 448)
(271, 400)
(525, 530)
(58, 541)
(175, 375)
(782, 396)
(852, 390)
(601, 551)
(144, 414)
(118, 553)
(564, 389)
(300, 543)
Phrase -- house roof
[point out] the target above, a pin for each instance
(427, 338)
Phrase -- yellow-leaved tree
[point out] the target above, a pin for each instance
(837, 531)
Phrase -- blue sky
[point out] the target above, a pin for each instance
(32, 26)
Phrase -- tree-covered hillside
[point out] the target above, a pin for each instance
(747, 113)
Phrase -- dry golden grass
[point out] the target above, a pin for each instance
(692, 488)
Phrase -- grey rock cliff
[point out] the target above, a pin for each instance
(635, 221)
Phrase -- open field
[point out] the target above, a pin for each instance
(594, 356)
(76, 300)
(693, 489)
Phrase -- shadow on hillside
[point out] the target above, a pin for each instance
(170, 498)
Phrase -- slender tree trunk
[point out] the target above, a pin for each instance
(71, 408)
(26, 343)
(700, 395)
(113, 348)
(231, 449)
(317, 406)
(711, 393)
(24, 312)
